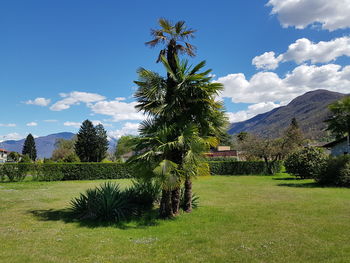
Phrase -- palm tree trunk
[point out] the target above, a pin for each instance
(188, 195)
(175, 201)
(165, 209)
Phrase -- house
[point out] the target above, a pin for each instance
(3, 155)
(222, 151)
(338, 147)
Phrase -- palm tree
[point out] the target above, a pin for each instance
(174, 37)
(193, 104)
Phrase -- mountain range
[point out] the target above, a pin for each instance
(46, 144)
(310, 111)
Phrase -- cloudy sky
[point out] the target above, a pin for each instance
(62, 62)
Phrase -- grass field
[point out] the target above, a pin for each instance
(241, 219)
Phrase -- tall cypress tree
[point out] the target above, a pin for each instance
(87, 143)
(29, 147)
(102, 143)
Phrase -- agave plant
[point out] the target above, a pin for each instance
(104, 203)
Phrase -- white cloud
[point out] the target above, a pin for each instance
(72, 124)
(75, 98)
(331, 14)
(303, 50)
(269, 87)
(31, 124)
(39, 102)
(118, 110)
(7, 125)
(97, 122)
(268, 60)
(252, 111)
(129, 128)
(11, 136)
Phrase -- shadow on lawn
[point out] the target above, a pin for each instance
(65, 215)
(301, 185)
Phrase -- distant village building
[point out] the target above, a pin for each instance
(338, 147)
(223, 151)
(3, 155)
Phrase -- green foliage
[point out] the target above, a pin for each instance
(306, 163)
(13, 157)
(109, 203)
(29, 147)
(243, 167)
(339, 123)
(335, 172)
(143, 194)
(13, 171)
(25, 159)
(66, 171)
(222, 159)
(106, 203)
(194, 200)
(64, 151)
(48, 172)
(92, 143)
(125, 144)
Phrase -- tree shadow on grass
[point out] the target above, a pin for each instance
(287, 179)
(302, 185)
(65, 215)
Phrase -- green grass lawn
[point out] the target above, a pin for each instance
(241, 219)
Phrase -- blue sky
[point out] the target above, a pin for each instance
(62, 62)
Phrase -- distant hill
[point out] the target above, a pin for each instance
(44, 145)
(309, 109)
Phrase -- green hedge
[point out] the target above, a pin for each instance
(65, 171)
(92, 171)
(241, 167)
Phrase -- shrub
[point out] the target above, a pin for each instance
(14, 171)
(242, 167)
(222, 159)
(336, 172)
(142, 195)
(306, 163)
(106, 203)
(48, 172)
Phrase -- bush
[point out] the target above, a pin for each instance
(306, 163)
(240, 167)
(336, 172)
(108, 203)
(48, 172)
(13, 171)
(221, 159)
(66, 171)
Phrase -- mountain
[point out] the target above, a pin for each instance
(309, 109)
(44, 145)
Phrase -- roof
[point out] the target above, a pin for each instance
(331, 144)
(3, 150)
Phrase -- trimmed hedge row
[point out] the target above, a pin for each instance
(92, 171)
(65, 171)
(242, 167)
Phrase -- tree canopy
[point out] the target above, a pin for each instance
(29, 147)
(91, 144)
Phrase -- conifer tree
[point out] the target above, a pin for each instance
(29, 147)
(86, 144)
(102, 143)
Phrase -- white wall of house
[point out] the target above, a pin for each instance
(3, 157)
